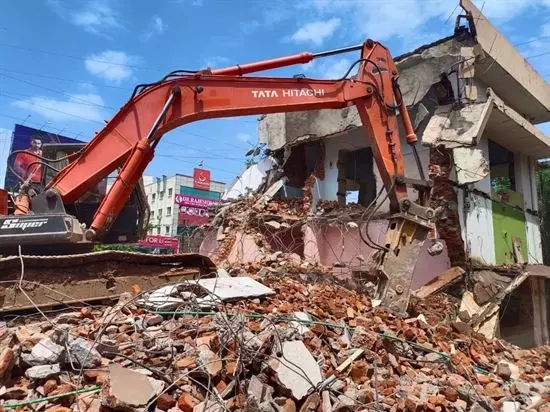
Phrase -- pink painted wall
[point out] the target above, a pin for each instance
(326, 244)
(341, 243)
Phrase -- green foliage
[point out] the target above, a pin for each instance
(499, 184)
(543, 185)
(117, 246)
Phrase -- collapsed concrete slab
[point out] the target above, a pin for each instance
(297, 369)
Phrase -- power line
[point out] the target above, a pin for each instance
(61, 129)
(95, 121)
(217, 168)
(14, 46)
(531, 41)
(28, 95)
(240, 161)
(233, 145)
(195, 149)
(46, 76)
(57, 91)
(51, 108)
(538, 55)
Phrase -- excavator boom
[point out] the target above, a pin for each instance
(128, 141)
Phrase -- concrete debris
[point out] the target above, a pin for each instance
(297, 369)
(233, 288)
(259, 391)
(45, 352)
(456, 127)
(82, 353)
(275, 225)
(471, 163)
(210, 361)
(43, 371)
(127, 388)
(309, 345)
(299, 324)
(204, 292)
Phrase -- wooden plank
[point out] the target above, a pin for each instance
(544, 312)
(327, 406)
(349, 360)
(537, 297)
(490, 307)
(440, 282)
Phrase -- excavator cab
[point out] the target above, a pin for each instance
(62, 227)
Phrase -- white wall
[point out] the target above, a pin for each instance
(250, 180)
(163, 200)
(327, 188)
(484, 185)
(526, 185)
(534, 242)
(477, 230)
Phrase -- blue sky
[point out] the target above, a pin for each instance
(65, 66)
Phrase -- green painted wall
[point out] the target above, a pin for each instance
(508, 223)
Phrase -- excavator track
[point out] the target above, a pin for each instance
(29, 281)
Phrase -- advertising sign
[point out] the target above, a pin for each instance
(201, 179)
(193, 210)
(30, 140)
(204, 194)
(160, 241)
(192, 216)
(194, 201)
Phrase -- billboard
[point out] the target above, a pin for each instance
(31, 140)
(159, 241)
(193, 205)
(201, 179)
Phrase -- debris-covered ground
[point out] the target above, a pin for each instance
(267, 340)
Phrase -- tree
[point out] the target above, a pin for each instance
(543, 185)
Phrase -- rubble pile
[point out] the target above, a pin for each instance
(275, 224)
(262, 342)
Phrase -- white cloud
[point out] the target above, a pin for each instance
(388, 19)
(508, 9)
(111, 65)
(75, 107)
(156, 28)
(96, 17)
(5, 137)
(243, 137)
(316, 32)
(407, 19)
(334, 68)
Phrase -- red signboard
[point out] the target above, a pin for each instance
(193, 210)
(201, 179)
(160, 241)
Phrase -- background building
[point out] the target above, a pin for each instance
(180, 202)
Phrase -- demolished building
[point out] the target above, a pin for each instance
(474, 101)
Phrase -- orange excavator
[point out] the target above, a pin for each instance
(127, 143)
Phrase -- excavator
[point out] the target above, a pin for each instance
(126, 144)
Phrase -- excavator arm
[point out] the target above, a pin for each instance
(128, 140)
